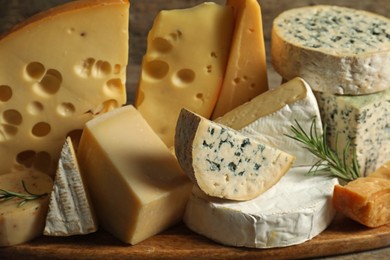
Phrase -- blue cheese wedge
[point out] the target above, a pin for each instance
(364, 121)
(296, 209)
(335, 49)
(224, 163)
(70, 209)
(269, 117)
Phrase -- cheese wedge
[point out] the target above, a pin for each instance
(136, 185)
(184, 65)
(224, 163)
(246, 72)
(70, 210)
(269, 117)
(366, 199)
(57, 70)
(296, 209)
(22, 223)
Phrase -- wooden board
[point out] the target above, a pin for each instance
(343, 236)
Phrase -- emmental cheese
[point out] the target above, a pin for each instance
(366, 199)
(269, 117)
(224, 163)
(57, 70)
(70, 209)
(21, 223)
(246, 72)
(136, 184)
(184, 65)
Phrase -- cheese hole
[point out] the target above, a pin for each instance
(35, 70)
(161, 45)
(35, 108)
(42, 162)
(84, 69)
(50, 83)
(66, 109)
(236, 81)
(199, 96)
(7, 131)
(117, 69)
(5, 93)
(107, 106)
(41, 129)
(114, 86)
(184, 77)
(12, 117)
(209, 68)
(156, 69)
(213, 54)
(101, 69)
(26, 158)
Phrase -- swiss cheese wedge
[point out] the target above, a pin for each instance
(57, 70)
(366, 199)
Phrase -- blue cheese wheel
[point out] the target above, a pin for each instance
(335, 49)
(225, 163)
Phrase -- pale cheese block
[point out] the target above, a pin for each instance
(224, 163)
(298, 208)
(269, 117)
(70, 209)
(246, 72)
(335, 49)
(136, 184)
(363, 121)
(184, 65)
(22, 223)
(57, 70)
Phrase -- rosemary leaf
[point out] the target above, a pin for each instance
(8, 195)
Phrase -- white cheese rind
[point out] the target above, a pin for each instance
(335, 49)
(70, 210)
(292, 101)
(295, 210)
(362, 120)
(223, 162)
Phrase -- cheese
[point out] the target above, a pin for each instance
(246, 72)
(136, 185)
(362, 120)
(366, 200)
(57, 70)
(295, 210)
(70, 210)
(335, 49)
(184, 65)
(22, 223)
(224, 163)
(269, 117)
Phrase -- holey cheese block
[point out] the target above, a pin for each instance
(364, 121)
(21, 223)
(136, 184)
(57, 70)
(184, 65)
(269, 117)
(296, 209)
(70, 208)
(224, 163)
(335, 49)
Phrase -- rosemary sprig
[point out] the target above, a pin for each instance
(7, 195)
(329, 162)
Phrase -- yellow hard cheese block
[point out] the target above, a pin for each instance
(246, 73)
(20, 223)
(184, 65)
(136, 185)
(57, 70)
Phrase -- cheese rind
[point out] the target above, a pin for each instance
(184, 65)
(68, 72)
(269, 117)
(364, 121)
(224, 163)
(335, 49)
(70, 209)
(296, 209)
(246, 72)
(136, 185)
(19, 224)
